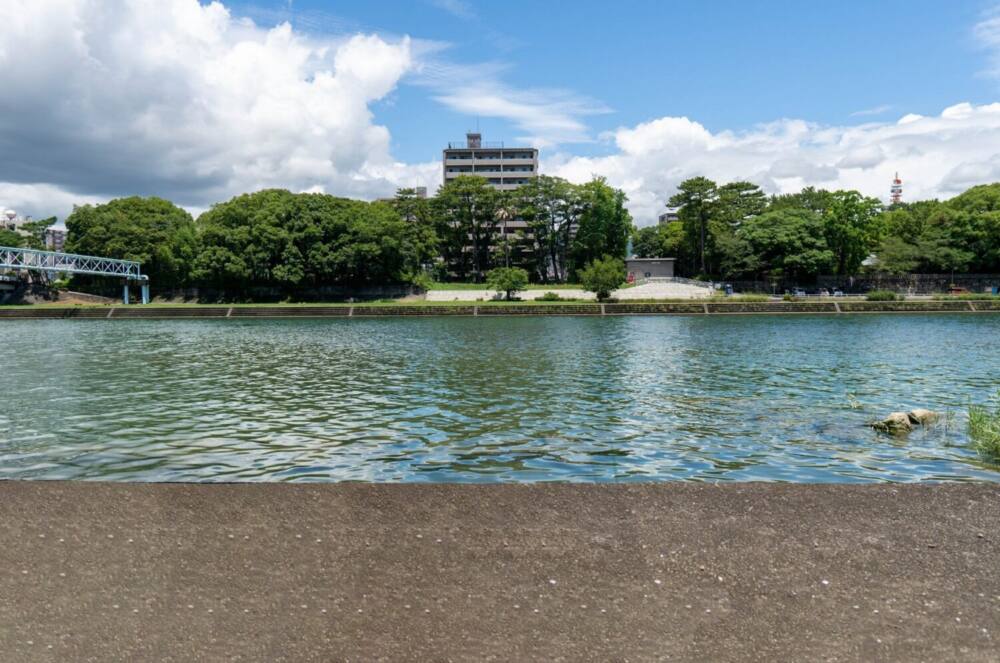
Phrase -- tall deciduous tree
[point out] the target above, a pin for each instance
(787, 243)
(466, 211)
(551, 206)
(852, 229)
(604, 224)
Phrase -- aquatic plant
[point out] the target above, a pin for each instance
(984, 429)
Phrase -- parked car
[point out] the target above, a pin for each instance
(799, 292)
(838, 293)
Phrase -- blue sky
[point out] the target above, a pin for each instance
(726, 64)
(198, 101)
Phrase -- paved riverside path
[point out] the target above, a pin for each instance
(181, 572)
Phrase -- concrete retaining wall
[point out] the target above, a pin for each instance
(665, 308)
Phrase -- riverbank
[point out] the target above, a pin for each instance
(831, 307)
(94, 571)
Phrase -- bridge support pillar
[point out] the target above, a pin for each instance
(145, 293)
(125, 294)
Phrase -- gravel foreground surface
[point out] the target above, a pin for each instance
(269, 572)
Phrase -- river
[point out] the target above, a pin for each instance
(709, 398)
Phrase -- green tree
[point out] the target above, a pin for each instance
(551, 207)
(648, 242)
(980, 199)
(604, 224)
(696, 198)
(415, 210)
(508, 280)
(896, 255)
(787, 243)
(280, 239)
(36, 233)
(10, 239)
(153, 231)
(603, 276)
(810, 198)
(852, 229)
(738, 202)
(465, 208)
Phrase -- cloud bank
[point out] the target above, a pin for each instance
(178, 99)
(937, 156)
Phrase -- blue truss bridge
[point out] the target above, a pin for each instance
(51, 262)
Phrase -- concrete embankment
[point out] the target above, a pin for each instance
(689, 572)
(360, 310)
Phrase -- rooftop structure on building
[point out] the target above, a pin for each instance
(504, 167)
(672, 214)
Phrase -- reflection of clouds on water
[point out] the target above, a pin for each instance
(506, 399)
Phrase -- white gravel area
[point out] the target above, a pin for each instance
(645, 291)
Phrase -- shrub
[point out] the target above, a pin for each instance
(789, 297)
(971, 296)
(984, 430)
(549, 297)
(603, 276)
(883, 296)
(422, 281)
(507, 280)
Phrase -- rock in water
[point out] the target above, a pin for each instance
(923, 417)
(896, 423)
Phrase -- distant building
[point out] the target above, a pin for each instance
(420, 191)
(55, 238)
(649, 268)
(11, 220)
(672, 214)
(504, 168)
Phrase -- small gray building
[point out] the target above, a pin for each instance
(649, 268)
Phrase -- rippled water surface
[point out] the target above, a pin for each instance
(492, 399)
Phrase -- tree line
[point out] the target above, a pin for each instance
(274, 238)
(550, 228)
(735, 231)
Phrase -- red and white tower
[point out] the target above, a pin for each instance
(896, 190)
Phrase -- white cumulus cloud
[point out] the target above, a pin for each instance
(181, 99)
(936, 156)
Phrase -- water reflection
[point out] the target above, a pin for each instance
(491, 399)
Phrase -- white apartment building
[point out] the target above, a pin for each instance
(505, 168)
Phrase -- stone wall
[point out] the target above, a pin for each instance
(491, 310)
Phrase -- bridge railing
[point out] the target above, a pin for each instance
(69, 263)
